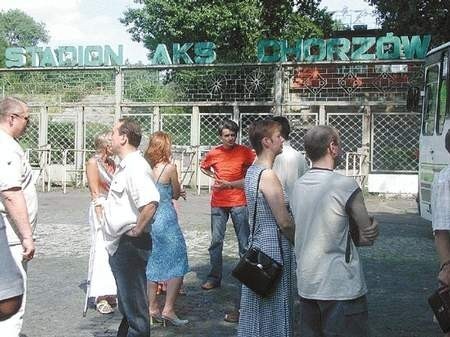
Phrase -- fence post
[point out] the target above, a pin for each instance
(118, 93)
(237, 119)
(278, 99)
(195, 140)
(43, 126)
(156, 119)
(79, 143)
(195, 126)
(322, 115)
(366, 136)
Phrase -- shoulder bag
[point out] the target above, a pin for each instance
(257, 270)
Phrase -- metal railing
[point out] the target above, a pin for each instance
(44, 157)
(354, 164)
(79, 167)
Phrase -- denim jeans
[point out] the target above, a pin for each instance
(128, 267)
(219, 218)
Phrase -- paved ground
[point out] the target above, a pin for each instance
(400, 270)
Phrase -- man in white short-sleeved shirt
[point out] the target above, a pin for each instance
(290, 164)
(330, 278)
(18, 207)
(440, 211)
(130, 206)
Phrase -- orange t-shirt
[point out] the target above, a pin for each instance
(230, 165)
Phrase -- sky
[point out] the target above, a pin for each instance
(96, 22)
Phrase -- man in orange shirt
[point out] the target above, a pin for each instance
(227, 164)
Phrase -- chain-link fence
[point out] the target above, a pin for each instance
(69, 107)
(30, 139)
(395, 142)
(97, 120)
(209, 126)
(178, 125)
(300, 124)
(191, 84)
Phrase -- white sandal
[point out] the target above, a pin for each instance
(104, 307)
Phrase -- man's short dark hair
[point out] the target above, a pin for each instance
(447, 141)
(132, 130)
(228, 124)
(317, 140)
(285, 127)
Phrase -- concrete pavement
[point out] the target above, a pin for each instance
(400, 269)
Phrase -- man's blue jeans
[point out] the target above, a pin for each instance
(128, 267)
(219, 218)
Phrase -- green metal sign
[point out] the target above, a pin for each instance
(387, 47)
(64, 56)
(204, 52)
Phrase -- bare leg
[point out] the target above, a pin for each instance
(173, 287)
(153, 305)
(9, 307)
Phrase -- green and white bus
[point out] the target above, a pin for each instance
(435, 122)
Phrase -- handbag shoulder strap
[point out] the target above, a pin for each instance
(254, 216)
(162, 171)
(256, 201)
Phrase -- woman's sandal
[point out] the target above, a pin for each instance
(104, 307)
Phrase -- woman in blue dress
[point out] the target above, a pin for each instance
(273, 234)
(168, 260)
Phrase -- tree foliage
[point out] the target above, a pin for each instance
(234, 26)
(412, 17)
(19, 29)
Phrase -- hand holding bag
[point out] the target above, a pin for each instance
(256, 270)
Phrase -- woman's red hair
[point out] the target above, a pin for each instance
(159, 148)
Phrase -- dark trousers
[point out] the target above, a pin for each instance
(128, 267)
(347, 318)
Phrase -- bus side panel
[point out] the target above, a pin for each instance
(433, 157)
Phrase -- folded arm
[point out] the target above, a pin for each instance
(367, 226)
(146, 213)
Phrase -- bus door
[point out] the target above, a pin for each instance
(435, 122)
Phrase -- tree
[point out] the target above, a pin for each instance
(19, 29)
(3, 46)
(415, 17)
(234, 26)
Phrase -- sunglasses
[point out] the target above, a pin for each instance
(25, 118)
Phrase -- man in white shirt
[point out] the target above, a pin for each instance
(440, 210)
(330, 278)
(290, 164)
(131, 204)
(18, 206)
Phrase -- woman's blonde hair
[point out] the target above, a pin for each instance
(102, 141)
(159, 148)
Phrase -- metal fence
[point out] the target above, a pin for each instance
(366, 102)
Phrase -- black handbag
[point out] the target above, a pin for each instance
(257, 270)
(440, 304)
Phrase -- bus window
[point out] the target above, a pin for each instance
(443, 89)
(431, 86)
